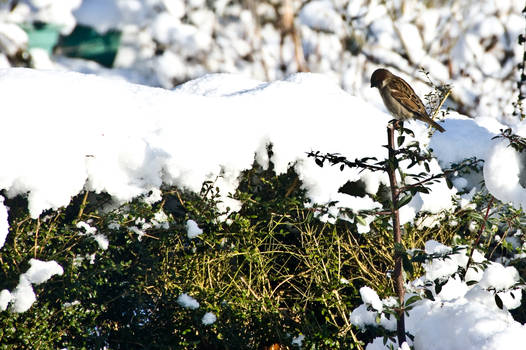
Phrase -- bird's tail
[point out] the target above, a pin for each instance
(436, 125)
(431, 122)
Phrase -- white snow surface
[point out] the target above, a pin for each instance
(23, 296)
(209, 318)
(187, 301)
(461, 317)
(103, 135)
(192, 229)
(4, 224)
(86, 132)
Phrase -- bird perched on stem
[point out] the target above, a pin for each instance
(400, 99)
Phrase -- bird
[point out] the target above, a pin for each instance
(400, 99)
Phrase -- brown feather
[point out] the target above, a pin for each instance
(400, 98)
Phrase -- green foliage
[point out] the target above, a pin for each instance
(268, 272)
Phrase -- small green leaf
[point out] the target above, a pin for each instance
(399, 249)
(400, 140)
(361, 220)
(498, 301)
(407, 264)
(412, 300)
(429, 295)
(426, 165)
(404, 200)
(438, 288)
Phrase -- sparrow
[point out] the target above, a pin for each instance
(400, 99)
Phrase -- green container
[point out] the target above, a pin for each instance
(42, 35)
(85, 42)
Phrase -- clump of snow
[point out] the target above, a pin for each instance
(209, 318)
(5, 298)
(100, 238)
(160, 220)
(499, 277)
(128, 147)
(370, 297)
(23, 296)
(459, 308)
(321, 15)
(4, 224)
(298, 340)
(502, 174)
(440, 268)
(192, 229)
(187, 301)
(41, 271)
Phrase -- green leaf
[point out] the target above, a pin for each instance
(429, 295)
(406, 262)
(498, 301)
(412, 300)
(399, 249)
(426, 165)
(400, 140)
(361, 220)
(438, 288)
(404, 200)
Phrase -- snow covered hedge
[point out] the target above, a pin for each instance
(115, 197)
(84, 133)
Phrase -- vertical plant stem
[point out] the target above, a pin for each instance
(482, 228)
(82, 206)
(397, 233)
(37, 230)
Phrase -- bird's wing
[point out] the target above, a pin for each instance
(405, 95)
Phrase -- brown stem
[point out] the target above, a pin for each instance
(482, 227)
(398, 270)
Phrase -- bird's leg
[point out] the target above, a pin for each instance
(397, 124)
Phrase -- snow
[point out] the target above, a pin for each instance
(298, 341)
(458, 309)
(104, 134)
(41, 271)
(125, 154)
(499, 277)
(209, 318)
(23, 296)
(90, 231)
(502, 172)
(370, 297)
(192, 229)
(321, 15)
(4, 224)
(187, 301)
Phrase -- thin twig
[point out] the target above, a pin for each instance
(482, 227)
(397, 233)
(441, 103)
(36, 237)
